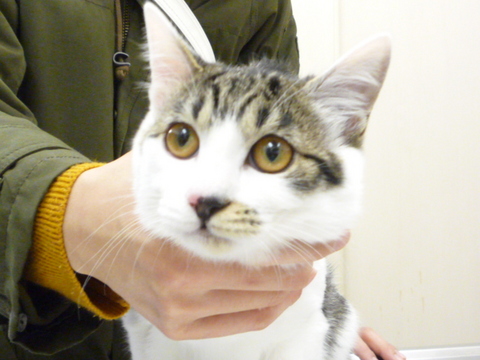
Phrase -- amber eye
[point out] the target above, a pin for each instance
(182, 141)
(271, 154)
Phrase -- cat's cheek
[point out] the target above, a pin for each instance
(267, 193)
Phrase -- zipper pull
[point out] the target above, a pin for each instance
(122, 67)
(122, 26)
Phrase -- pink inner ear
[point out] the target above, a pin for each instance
(347, 92)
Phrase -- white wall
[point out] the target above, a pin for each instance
(412, 268)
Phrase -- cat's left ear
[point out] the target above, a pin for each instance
(344, 95)
(172, 61)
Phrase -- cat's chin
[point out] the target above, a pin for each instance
(214, 241)
(204, 243)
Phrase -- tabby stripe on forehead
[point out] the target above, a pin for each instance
(197, 106)
(262, 116)
(245, 104)
(286, 120)
(233, 85)
(216, 96)
(214, 77)
(274, 85)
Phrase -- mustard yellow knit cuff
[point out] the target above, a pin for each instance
(48, 263)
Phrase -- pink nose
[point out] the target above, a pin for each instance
(193, 200)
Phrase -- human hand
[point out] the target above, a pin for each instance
(184, 296)
(371, 346)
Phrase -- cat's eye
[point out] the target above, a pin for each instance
(271, 154)
(182, 141)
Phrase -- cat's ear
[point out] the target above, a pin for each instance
(345, 94)
(172, 61)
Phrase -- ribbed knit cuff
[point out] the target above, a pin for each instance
(48, 263)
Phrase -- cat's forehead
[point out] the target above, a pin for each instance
(262, 98)
(265, 78)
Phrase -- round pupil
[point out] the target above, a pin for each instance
(272, 150)
(183, 136)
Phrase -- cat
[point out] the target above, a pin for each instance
(232, 162)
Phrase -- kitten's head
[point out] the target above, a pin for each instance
(233, 162)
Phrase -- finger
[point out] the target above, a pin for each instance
(363, 351)
(277, 277)
(271, 278)
(225, 302)
(231, 324)
(300, 252)
(379, 345)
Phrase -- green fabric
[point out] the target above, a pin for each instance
(240, 31)
(59, 106)
(102, 345)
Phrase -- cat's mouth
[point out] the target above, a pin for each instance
(215, 244)
(212, 239)
(223, 227)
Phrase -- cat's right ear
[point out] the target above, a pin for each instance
(172, 61)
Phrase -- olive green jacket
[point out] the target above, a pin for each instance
(60, 105)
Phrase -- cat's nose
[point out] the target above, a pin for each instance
(206, 207)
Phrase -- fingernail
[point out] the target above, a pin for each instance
(337, 244)
(400, 356)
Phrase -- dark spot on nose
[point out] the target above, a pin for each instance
(206, 207)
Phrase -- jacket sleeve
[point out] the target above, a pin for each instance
(30, 159)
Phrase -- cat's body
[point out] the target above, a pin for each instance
(232, 163)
